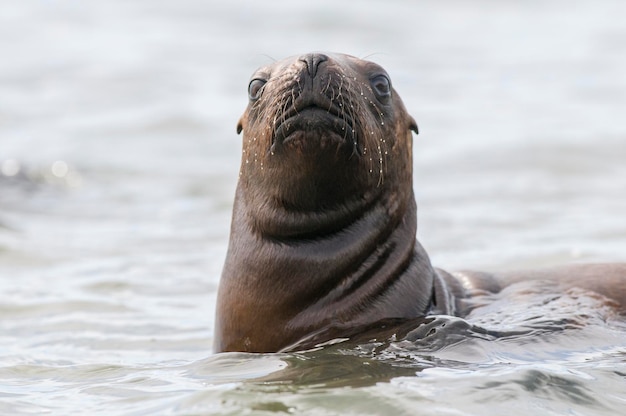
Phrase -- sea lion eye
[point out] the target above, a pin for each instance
(255, 88)
(381, 86)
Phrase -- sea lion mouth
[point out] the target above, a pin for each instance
(315, 125)
(315, 120)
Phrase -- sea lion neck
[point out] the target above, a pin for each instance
(275, 218)
(297, 286)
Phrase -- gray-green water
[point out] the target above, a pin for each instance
(118, 161)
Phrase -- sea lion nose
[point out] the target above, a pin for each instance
(312, 62)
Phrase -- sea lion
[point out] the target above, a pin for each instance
(324, 222)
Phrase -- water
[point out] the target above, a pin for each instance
(119, 160)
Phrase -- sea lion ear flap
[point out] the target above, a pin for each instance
(413, 125)
(240, 126)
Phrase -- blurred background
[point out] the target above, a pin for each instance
(119, 157)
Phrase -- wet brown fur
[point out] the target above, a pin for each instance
(324, 220)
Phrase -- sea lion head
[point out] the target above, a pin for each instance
(322, 131)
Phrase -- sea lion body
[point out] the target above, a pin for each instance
(324, 221)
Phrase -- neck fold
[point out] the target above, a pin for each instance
(355, 272)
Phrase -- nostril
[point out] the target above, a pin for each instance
(312, 62)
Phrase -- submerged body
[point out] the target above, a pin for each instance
(323, 235)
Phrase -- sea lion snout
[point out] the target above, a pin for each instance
(313, 115)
